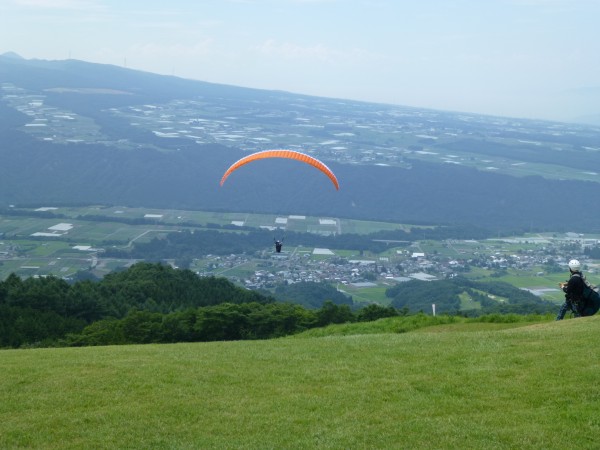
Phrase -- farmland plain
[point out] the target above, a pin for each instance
(64, 241)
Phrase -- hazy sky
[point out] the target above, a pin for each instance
(519, 58)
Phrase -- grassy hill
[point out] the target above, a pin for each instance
(456, 385)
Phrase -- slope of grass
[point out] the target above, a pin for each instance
(447, 386)
(424, 322)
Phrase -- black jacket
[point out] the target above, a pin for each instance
(574, 288)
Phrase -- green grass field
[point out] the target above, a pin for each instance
(367, 294)
(455, 385)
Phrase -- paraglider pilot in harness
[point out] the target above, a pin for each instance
(278, 245)
(573, 290)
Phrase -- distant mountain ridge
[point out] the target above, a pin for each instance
(79, 139)
(11, 55)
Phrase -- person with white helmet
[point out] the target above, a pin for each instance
(573, 290)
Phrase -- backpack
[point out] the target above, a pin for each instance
(591, 298)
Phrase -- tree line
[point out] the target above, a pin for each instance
(152, 302)
(222, 322)
(188, 244)
(493, 297)
(155, 303)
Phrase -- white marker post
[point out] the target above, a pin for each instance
(433, 308)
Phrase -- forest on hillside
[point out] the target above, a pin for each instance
(493, 296)
(184, 175)
(152, 302)
(155, 303)
(188, 179)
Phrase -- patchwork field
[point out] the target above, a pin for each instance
(73, 239)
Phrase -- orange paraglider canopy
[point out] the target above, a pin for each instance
(290, 154)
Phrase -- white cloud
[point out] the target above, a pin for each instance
(59, 4)
(292, 51)
(316, 52)
(198, 49)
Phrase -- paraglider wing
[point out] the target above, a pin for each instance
(282, 154)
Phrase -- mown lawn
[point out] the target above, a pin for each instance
(454, 386)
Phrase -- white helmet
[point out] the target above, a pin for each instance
(574, 265)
